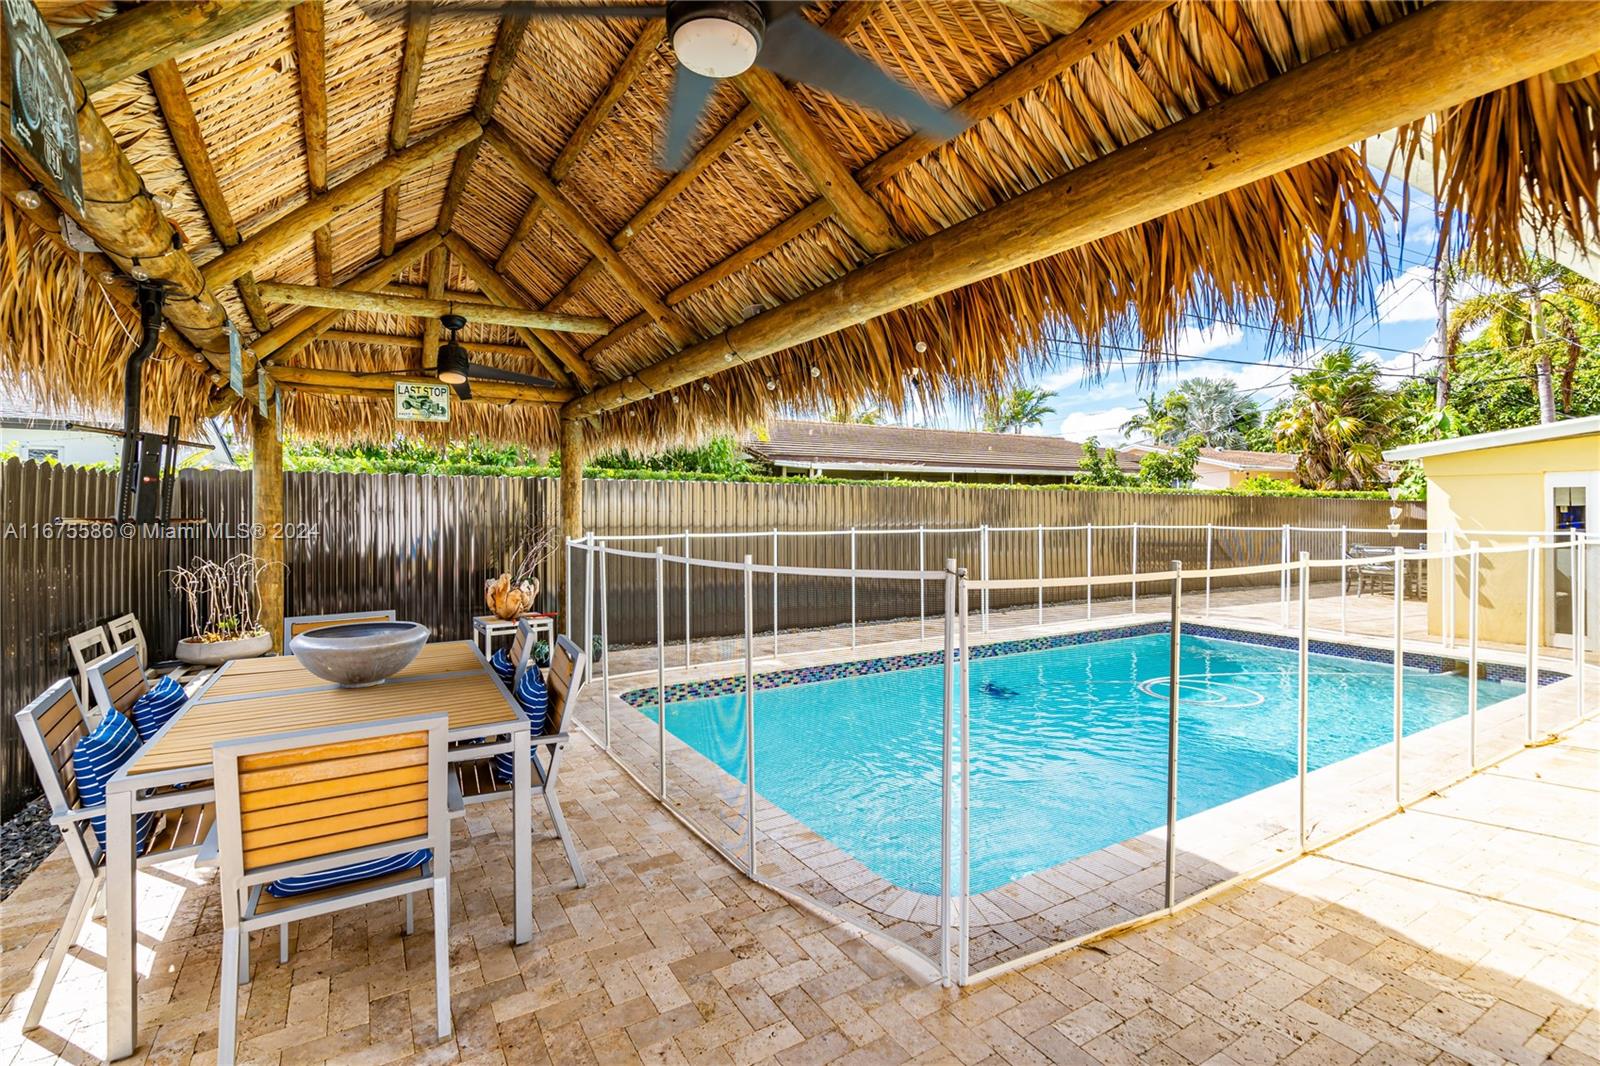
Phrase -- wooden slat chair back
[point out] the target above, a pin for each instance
(86, 647)
(305, 623)
(126, 632)
(522, 646)
(117, 680)
(304, 803)
(51, 726)
(477, 779)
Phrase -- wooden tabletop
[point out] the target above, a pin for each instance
(254, 697)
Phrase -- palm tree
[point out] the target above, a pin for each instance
(859, 416)
(1156, 421)
(1536, 317)
(1214, 410)
(1339, 418)
(1017, 411)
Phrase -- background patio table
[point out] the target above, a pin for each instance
(253, 697)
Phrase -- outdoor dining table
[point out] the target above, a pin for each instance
(255, 697)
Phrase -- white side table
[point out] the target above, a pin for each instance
(486, 628)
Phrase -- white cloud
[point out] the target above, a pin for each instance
(1407, 298)
(1105, 425)
(1203, 340)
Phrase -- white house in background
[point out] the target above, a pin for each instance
(41, 438)
(1227, 468)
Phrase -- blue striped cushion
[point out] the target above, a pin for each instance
(152, 710)
(534, 699)
(96, 759)
(504, 668)
(344, 875)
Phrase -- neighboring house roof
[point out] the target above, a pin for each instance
(1572, 427)
(848, 446)
(1235, 458)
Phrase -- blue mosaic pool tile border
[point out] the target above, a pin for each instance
(805, 675)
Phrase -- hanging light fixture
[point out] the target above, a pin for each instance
(717, 40)
(453, 363)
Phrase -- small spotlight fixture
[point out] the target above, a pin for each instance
(772, 385)
(705, 386)
(816, 372)
(921, 347)
(137, 271)
(30, 199)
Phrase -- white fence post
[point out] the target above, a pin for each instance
(1088, 560)
(1133, 589)
(588, 607)
(1344, 574)
(566, 582)
(605, 653)
(922, 583)
(750, 714)
(963, 952)
(1530, 677)
(774, 593)
(944, 780)
(661, 674)
(852, 587)
(1472, 656)
(1399, 662)
(983, 562)
(1580, 615)
(1174, 669)
(1304, 690)
(1210, 539)
(688, 584)
(1283, 580)
(1041, 573)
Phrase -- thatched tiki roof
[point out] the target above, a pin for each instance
(1125, 165)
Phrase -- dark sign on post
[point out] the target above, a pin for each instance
(43, 119)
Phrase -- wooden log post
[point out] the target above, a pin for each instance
(572, 459)
(266, 518)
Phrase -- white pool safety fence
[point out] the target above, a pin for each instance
(960, 936)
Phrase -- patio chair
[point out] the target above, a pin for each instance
(126, 632)
(323, 820)
(86, 647)
(508, 667)
(51, 727)
(304, 623)
(480, 783)
(117, 681)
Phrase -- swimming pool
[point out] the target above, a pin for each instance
(1069, 741)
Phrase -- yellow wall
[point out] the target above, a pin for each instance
(1488, 489)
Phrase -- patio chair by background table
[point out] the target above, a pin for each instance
(320, 800)
(255, 697)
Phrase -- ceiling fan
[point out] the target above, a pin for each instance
(457, 369)
(716, 39)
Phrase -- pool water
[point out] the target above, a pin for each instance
(1069, 745)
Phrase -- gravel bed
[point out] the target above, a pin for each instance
(26, 840)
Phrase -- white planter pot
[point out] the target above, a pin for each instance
(217, 652)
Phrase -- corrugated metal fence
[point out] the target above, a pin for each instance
(424, 545)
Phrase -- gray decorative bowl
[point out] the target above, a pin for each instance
(360, 653)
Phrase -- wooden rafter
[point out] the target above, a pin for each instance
(304, 326)
(347, 299)
(1391, 77)
(1063, 16)
(1586, 67)
(550, 346)
(340, 382)
(591, 238)
(178, 112)
(782, 114)
(419, 18)
(311, 65)
(138, 38)
(262, 247)
(633, 64)
(395, 340)
(503, 58)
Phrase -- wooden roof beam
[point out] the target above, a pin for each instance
(178, 112)
(591, 238)
(502, 60)
(1063, 16)
(553, 346)
(290, 227)
(633, 64)
(438, 274)
(304, 326)
(346, 299)
(138, 38)
(316, 379)
(419, 17)
(862, 216)
(395, 340)
(1392, 76)
(310, 62)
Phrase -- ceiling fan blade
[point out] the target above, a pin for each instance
(377, 8)
(690, 91)
(494, 373)
(800, 51)
(463, 390)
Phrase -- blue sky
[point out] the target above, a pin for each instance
(1395, 329)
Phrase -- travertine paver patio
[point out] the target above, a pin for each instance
(1464, 930)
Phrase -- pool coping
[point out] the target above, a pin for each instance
(1117, 882)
